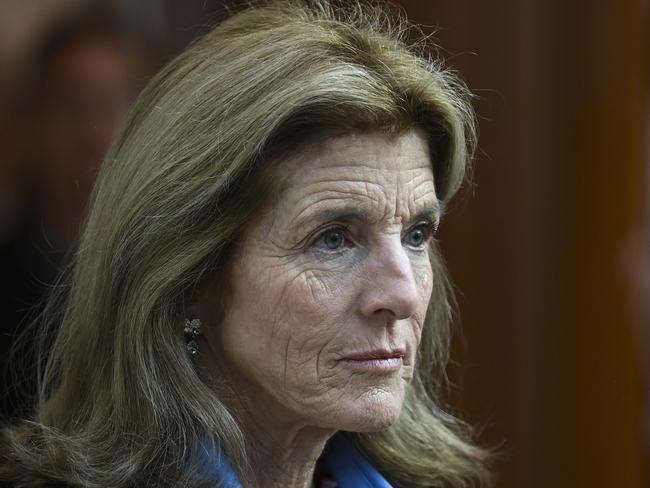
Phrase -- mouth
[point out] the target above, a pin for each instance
(376, 354)
(378, 360)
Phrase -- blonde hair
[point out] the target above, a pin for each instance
(120, 404)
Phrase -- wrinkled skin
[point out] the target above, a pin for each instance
(337, 264)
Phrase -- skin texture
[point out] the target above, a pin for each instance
(337, 264)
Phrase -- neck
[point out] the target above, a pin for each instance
(282, 449)
(282, 452)
(287, 462)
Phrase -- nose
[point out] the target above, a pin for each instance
(390, 285)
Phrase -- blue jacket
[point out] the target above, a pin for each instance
(348, 467)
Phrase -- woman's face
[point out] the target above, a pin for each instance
(330, 288)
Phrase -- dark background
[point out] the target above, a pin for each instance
(548, 248)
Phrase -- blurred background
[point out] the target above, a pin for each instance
(549, 248)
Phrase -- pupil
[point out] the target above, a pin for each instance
(416, 237)
(333, 240)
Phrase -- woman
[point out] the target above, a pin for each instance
(258, 298)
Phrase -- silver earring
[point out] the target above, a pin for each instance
(192, 330)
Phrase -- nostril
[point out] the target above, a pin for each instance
(397, 297)
(389, 315)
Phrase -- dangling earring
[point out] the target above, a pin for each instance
(192, 330)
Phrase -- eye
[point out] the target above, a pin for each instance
(419, 235)
(332, 239)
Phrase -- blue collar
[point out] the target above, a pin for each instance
(346, 465)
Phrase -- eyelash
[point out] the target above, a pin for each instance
(430, 228)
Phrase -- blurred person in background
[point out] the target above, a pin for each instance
(85, 89)
(83, 76)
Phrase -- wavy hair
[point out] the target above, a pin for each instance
(119, 403)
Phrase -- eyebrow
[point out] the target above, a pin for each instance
(434, 212)
(351, 214)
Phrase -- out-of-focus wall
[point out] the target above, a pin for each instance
(551, 364)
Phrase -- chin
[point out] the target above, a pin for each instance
(372, 412)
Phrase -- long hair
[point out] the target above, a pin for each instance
(120, 404)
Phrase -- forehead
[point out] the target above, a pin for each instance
(361, 166)
(374, 150)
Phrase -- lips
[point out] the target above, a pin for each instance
(376, 354)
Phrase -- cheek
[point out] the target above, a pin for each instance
(309, 313)
(424, 277)
(285, 315)
(303, 295)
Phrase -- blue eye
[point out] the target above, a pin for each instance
(418, 236)
(332, 239)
